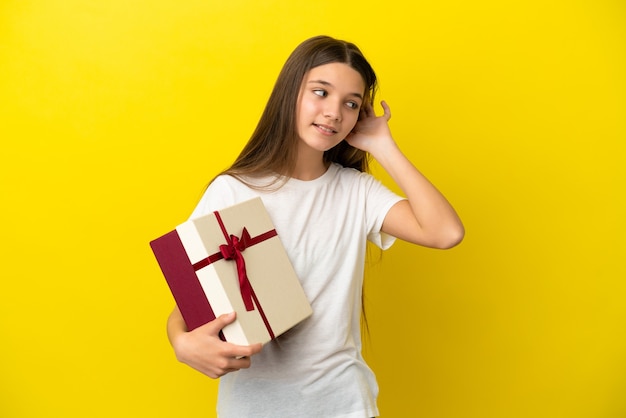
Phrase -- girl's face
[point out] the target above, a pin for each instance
(328, 106)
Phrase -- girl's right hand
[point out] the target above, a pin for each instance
(203, 350)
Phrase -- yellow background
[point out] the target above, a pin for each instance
(114, 115)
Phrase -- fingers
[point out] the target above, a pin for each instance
(232, 358)
(368, 110)
(386, 110)
(203, 350)
(214, 327)
(224, 359)
(240, 351)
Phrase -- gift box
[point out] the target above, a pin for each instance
(233, 260)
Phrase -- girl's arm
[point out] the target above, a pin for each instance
(202, 348)
(425, 218)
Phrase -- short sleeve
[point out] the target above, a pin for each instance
(224, 191)
(379, 201)
(378, 237)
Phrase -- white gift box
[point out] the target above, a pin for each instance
(233, 260)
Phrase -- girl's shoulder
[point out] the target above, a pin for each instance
(351, 175)
(223, 191)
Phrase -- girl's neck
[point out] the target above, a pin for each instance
(309, 166)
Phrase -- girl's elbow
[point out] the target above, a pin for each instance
(451, 238)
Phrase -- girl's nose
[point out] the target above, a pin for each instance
(333, 111)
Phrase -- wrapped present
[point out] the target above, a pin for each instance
(233, 260)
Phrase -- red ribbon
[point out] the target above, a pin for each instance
(232, 250)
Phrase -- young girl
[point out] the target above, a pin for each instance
(307, 160)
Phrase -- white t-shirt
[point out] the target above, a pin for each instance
(315, 369)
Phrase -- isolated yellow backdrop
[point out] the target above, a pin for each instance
(114, 115)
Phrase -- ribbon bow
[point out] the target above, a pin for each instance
(232, 251)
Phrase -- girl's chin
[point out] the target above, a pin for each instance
(320, 145)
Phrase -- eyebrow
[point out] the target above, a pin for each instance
(326, 83)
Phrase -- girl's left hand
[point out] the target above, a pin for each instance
(371, 132)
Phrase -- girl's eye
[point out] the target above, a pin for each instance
(353, 105)
(320, 92)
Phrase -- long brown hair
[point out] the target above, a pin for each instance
(271, 150)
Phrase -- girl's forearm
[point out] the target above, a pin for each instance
(175, 325)
(435, 216)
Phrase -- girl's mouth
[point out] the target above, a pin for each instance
(325, 129)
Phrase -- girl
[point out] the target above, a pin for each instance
(307, 159)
